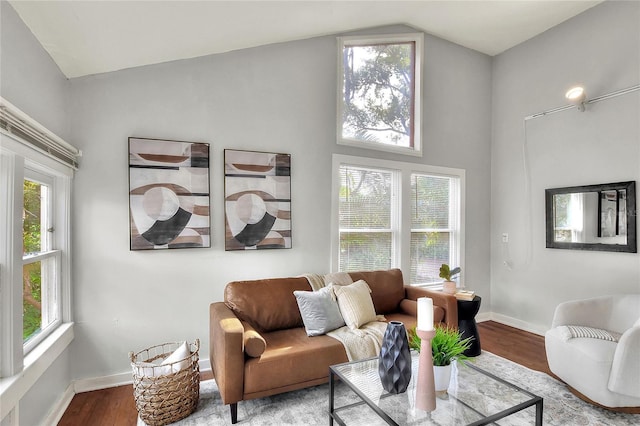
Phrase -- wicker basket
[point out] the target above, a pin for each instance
(165, 398)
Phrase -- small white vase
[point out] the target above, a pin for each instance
(449, 287)
(442, 377)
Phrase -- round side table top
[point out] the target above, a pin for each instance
(467, 309)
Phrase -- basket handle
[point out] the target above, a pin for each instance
(132, 357)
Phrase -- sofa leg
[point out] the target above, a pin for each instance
(234, 413)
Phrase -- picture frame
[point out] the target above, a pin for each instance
(169, 196)
(257, 196)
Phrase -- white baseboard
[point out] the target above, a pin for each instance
(104, 382)
(483, 316)
(60, 406)
(512, 322)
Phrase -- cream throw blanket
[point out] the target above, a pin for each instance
(362, 343)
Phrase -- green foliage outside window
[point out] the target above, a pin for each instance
(31, 272)
(378, 93)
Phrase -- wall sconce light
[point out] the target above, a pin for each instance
(577, 96)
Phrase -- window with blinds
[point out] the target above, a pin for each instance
(365, 211)
(397, 215)
(431, 230)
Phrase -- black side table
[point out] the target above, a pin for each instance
(467, 310)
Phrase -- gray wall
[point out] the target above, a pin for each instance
(277, 98)
(29, 78)
(601, 50)
(31, 81)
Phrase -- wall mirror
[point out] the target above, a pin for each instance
(592, 217)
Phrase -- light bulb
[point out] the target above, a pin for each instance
(576, 95)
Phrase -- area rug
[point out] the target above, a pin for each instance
(310, 406)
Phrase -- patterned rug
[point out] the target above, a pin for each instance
(310, 406)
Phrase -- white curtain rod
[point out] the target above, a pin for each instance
(590, 101)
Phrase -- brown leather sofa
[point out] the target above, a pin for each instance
(258, 344)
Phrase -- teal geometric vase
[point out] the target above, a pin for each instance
(394, 363)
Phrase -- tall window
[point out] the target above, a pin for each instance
(397, 215)
(366, 217)
(40, 262)
(379, 98)
(434, 215)
(36, 168)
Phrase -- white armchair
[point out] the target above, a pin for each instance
(607, 372)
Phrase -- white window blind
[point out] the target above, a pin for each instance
(27, 131)
(366, 218)
(432, 226)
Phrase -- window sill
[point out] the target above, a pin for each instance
(381, 147)
(36, 363)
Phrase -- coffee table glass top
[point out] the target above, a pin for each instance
(474, 397)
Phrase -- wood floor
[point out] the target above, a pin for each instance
(116, 407)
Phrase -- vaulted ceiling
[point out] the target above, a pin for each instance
(90, 37)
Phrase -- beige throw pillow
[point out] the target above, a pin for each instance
(355, 304)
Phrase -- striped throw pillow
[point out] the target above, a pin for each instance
(576, 331)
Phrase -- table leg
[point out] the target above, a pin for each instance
(331, 394)
(539, 407)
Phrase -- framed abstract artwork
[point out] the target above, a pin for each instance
(168, 194)
(257, 195)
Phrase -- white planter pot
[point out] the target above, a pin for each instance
(449, 287)
(442, 377)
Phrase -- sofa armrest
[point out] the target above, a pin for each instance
(448, 302)
(586, 312)
(625, 370)
(226, 352)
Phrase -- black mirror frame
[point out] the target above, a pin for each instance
(630, 247)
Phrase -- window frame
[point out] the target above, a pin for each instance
(51, 292)
(402, 239)
(19, 162)
(454, 221)
(416, 119)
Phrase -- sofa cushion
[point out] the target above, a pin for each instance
(292, 357)
(319, 310)
(267, 304)
(410, 307)
(355, 303)
(409, 321)
(387, 288)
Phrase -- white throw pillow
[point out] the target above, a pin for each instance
(319, 311)
(182, 353)
(148, 369)
(355, 304)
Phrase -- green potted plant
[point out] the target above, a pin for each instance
(446, 346)
(448, 274)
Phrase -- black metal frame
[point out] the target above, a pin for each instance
(630, 247)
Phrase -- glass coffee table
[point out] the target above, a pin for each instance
(475, 397)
